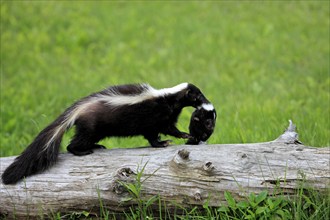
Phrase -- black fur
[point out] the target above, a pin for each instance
(201, 127)
(148, 118)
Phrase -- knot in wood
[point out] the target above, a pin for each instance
(208, 167)
(118, 188)
(198, 196)
(184, 154)
(122, 176)
(124, 172)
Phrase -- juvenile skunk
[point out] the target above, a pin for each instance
(122, 111)
(202, 123)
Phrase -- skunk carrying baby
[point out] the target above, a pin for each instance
(202, 124)
(118, 111)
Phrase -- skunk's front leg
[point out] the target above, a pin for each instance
(193, 141)
(156, 142)
(173, 131)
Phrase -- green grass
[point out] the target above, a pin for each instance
(260, 63)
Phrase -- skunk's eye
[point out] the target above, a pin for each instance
(196, 119)
(209, 124)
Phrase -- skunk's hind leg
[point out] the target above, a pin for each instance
(82, 148)
(83, 143)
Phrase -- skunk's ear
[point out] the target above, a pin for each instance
(189, 94)
(194, 97)
(196, 119)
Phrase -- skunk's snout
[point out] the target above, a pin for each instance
(209, 124)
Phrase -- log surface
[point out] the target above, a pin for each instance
(184, 174)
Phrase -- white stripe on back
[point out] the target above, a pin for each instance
(113, 98)
(116, 99)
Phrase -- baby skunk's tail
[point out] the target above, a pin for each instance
(43, 151)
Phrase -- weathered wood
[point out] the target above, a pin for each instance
(183, 174)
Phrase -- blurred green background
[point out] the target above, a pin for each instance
(260, 63)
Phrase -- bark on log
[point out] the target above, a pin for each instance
(182, 174)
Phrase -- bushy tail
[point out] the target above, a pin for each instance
(42, 152)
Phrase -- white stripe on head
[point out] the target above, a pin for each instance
(207, 106)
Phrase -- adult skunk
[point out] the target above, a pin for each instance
(122, 111)
(202, 123)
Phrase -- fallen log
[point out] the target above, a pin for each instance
(185, 175)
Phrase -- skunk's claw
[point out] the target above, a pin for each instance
(160, 144)
(185, 135)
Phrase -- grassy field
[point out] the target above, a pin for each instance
(260, 63)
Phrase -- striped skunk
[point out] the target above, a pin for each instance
(118, 111)
(202, 123)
